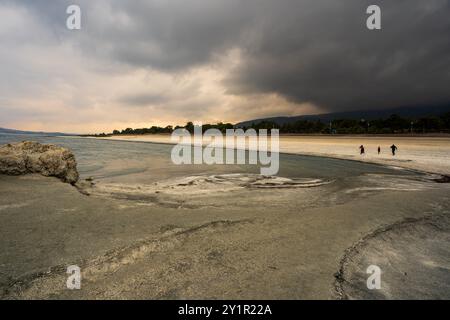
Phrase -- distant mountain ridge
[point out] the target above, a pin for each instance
(408, 112)
(13, 131)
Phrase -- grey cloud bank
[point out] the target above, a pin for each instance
(318, 53)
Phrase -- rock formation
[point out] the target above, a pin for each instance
(33, 157)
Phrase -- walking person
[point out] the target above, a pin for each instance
(361, 148)
(379, 149)
(394, 148)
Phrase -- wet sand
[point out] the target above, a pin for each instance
(301, 243)
(429, 154)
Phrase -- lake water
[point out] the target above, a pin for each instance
(124, 169)
(148, 162)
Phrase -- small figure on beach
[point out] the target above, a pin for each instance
(361, 148)
(393, 148)
(379, 149)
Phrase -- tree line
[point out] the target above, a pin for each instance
(391, 125)
(167, 130)
(394, 124)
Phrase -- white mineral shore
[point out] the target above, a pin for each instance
(430, 154)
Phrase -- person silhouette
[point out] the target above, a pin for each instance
(361, 148)
(379, 149)
(394, 148)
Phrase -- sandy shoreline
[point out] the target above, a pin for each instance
(427, 154)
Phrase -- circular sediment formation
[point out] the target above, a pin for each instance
(412, 255)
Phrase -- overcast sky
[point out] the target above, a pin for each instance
(156, 62)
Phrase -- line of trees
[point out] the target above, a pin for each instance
(220, 126)
(391, 125)
(151, 130)
(168, 129)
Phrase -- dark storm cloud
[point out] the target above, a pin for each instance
(326, 56)
(316, 51)
(168, 35)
